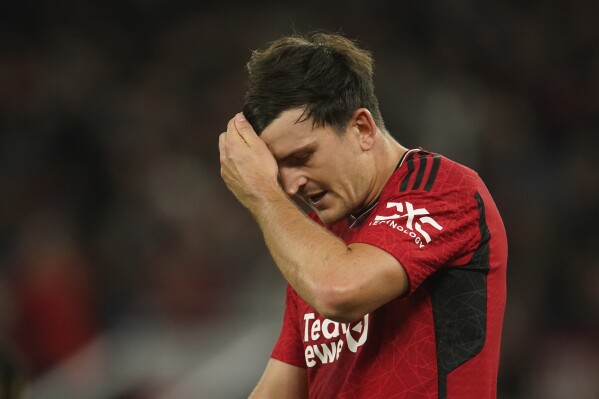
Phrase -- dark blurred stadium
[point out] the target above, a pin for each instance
(127, 270)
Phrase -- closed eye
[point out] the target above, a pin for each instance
(304, 156)
(299, 159)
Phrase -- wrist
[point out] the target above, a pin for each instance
(274, 204)
(269, 196)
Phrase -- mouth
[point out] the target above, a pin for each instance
(316, 198)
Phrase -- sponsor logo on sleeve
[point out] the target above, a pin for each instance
(414, 222)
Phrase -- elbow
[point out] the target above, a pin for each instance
(339, 304)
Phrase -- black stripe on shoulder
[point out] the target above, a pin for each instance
(421, 170)
(406, 180)
(433, 174)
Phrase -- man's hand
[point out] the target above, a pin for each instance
(247, 166)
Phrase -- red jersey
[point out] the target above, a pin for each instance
(441, 340)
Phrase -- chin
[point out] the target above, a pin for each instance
(329, 216)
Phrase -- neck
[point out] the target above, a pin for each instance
(389, 153)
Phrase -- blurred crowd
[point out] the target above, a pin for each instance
(112, 211)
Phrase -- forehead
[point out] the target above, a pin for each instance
(286, 134)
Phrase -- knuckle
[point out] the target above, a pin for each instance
(231, 125)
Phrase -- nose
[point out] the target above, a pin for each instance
(293, 179)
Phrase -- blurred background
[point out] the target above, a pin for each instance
(127, 270)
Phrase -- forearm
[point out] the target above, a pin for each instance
(310, 257)
(281, 380)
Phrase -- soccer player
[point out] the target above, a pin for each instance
(397, 274)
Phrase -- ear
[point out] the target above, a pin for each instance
(364, 126)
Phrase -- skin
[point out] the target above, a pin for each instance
(336, 175)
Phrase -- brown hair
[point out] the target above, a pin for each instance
(327, 74)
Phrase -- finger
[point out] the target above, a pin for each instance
(221, 147)
(234, 133)
(245, 130)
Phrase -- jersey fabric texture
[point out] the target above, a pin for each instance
(441, 340)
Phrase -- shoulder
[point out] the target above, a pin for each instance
(426, 172)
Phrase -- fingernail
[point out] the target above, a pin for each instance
(240, 117)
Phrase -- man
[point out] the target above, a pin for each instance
(397, 275)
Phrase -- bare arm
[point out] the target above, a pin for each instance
(341, 282)
(281, 380)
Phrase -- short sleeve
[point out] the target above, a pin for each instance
(424, 230)
(289, 347)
